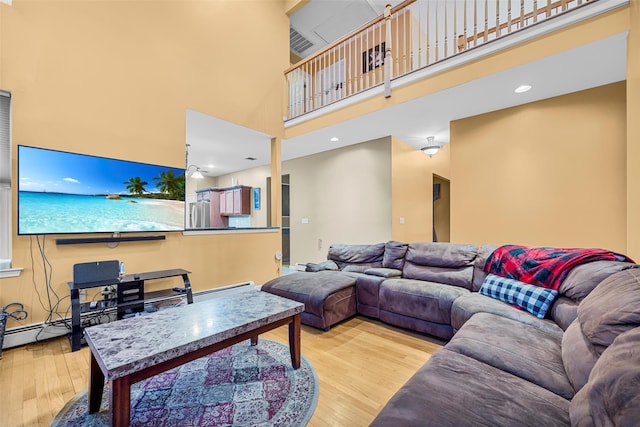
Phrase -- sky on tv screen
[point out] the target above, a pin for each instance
(43, 170)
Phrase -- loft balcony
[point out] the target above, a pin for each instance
(416, 39)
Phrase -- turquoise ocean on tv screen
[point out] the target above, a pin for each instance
(46, 213)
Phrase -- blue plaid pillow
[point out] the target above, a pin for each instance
(535, 299)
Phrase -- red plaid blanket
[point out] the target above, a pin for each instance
(546, 267)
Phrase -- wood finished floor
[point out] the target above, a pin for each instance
(360, 364)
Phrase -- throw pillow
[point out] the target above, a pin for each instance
(535, 299)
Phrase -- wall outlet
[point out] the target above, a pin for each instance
(83, 294)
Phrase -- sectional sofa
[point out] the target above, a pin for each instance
(576, 364)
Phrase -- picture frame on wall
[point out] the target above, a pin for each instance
(373, 58)
(256, 197)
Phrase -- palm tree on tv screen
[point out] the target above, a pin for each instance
(136, 185)
(171, 184)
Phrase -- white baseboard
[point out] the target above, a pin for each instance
(35, 332)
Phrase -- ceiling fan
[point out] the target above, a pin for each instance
(194, 171)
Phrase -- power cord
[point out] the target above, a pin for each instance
(53, 300)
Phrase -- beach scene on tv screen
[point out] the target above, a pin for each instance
(61, 192)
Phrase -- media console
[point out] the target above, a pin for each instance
(130, 298)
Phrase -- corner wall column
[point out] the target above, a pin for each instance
(633, 132)
(276, 182)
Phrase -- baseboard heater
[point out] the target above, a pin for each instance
(28, 334)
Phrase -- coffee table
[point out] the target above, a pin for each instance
(130, 350)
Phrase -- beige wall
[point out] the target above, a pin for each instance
(114, 79)
(346, 196)
(412, 190)
(549, 173)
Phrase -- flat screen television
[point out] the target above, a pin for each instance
(69, 193)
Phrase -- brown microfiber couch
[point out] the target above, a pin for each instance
(497, 371)
(502, 366)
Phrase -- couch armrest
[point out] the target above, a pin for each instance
(324, 265)
(383, 272)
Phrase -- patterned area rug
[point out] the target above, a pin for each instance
(238, 386)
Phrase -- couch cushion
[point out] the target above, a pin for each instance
(312, 289)
(383, 272)
(394, 253)
(578, 356)
(455, 390)
(534, 299)
(612, 395)
(583, 279)
(478, 265)
(563, 311)
(359, 268)
(511, 346)
(612, 308)
(468, 305)
(369, 256)
(421, 300)
(448, 263)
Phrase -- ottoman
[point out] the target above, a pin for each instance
(328, 296)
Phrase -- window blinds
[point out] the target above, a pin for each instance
(5, 175)
(5, 139)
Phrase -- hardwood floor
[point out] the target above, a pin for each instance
(360, 364)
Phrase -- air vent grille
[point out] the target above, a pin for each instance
(297, 42)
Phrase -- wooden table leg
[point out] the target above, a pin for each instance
(294, 340)
(120, 401)
(254, 340)
(96, 385)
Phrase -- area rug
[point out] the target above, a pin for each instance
(242, 385)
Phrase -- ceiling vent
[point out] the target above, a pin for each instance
(297, 42)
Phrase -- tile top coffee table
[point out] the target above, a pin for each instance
(130, 350)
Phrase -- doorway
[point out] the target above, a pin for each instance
(441, 209)
(286, 218)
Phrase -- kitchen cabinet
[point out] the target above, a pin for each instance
(235, 201)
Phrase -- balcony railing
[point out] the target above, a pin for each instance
(414, 35)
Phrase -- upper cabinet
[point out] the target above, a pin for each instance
(235, 201)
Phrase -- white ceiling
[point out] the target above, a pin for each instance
(219, 147)
(322, 22)
(226, 145)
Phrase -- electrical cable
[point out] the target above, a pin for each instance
(53, 299)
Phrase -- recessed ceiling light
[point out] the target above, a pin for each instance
(522, 89)
(334, 139)
(210, 166)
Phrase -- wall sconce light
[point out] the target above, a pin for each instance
(431, 148)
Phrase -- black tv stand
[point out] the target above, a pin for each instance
(131, 297)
